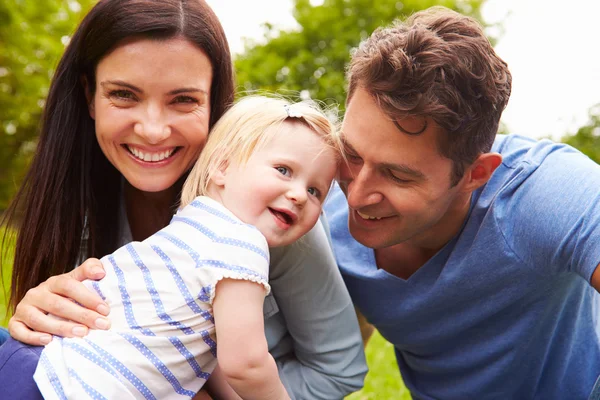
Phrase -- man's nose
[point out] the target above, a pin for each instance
(362, 187)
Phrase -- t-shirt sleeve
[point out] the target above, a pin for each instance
(551, 212)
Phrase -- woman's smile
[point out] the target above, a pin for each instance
(143, 122)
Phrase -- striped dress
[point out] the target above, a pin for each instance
(162, 342)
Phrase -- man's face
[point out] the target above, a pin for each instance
(398, 186)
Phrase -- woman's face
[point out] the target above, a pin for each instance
(152, 109)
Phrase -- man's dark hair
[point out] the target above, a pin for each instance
(438, 64)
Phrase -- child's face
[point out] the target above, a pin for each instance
(281, 189)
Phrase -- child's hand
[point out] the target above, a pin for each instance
(218, 387)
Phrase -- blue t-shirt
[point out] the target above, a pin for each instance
(504, 310)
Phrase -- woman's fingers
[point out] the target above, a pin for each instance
(65, 297)
(54, 297)
(37, 326)
(19, 331)
(69, 288)
(90, 269)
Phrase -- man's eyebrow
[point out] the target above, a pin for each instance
(404, 169)
(347, 146)
(138, 90)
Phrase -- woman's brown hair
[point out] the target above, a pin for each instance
(71, 188)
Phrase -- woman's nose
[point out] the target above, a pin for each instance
(153, 126)
(153, 133)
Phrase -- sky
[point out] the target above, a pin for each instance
(552, 50)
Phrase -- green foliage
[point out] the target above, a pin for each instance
(313, 58)
(6, 256)
(32, 38)
(383, 381)
(587, 138)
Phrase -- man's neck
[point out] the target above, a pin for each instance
(405, 258)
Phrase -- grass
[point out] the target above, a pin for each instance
(383, 381)
(6, 252)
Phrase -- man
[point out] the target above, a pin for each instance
(474, 254)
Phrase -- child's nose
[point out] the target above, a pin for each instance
(297, 194)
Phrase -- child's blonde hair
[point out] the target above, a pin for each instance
(245, 128)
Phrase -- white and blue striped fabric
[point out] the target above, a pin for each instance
(161, 344)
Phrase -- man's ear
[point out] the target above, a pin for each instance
(481, 171)
(89, 97)
(218, 177)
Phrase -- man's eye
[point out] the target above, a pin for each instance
(283, 170)
(397, 179)
(353, 158)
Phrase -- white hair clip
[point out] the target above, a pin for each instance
(292, 111)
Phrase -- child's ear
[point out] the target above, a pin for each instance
(218, 177)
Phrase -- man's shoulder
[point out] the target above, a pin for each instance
(535, 172)
(517, 150)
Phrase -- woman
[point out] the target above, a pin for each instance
(128, 112)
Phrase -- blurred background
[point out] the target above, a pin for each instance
(301, 47)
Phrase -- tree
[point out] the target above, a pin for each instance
(33, 35)
(587, 138)
(312, 60)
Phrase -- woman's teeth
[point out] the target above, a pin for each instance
(151, 157)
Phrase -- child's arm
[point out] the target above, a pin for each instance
(218, 387)
(242, 350)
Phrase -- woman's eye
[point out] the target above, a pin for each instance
(122, 95)
(283, 171)
(314, 192)
(185, 100)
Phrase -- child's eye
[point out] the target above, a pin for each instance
(283, 170)
(314, 192)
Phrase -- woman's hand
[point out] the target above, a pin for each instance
(59, 296)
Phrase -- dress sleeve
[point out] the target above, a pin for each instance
(218, 245)
(328, 360)
(241, 252)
